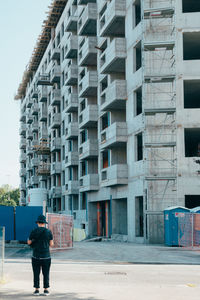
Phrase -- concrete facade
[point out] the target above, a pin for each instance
(109, 123)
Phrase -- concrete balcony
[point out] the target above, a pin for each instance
(56, 97)
(56, 192)
(35, 109)
(22, 116)
(114, 175)
(42, 113)
(112, 60)
(89, 183)
(72, 131)
(115, 96)
(22, 143)
(72, 103)
(71, 23)
(72, 187)
(43, 79)
(112, 22)
(34, 180)
(29, 151)
(29, 118)
(55, 54)
(88, 85)
(72, 75)
(42, 94)
(22, 129)
(71, 47)
(29, 102)
(28, 183)
(55, 144)
(72, 159)
(88, 149)
(22, 172)
(56, 168)
(43, 169)
(43, 133)
(87, 23)
(35, 127)
(88, 52)
(29, 134)
(35, 162)
(89, 116)
(84, 2)
(55, 74)
(56, 120)
(34, 93)
(114, 136)
(22, 186)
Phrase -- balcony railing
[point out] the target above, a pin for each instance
(56, 120)
(43, 79)
(88, 85)
(56, 97)
(72, 187)
(71, 47)
(115, 135)
(115, 96)
(55, 74)
(87, 22)
(43, 169)
(72, 103)
(112, 22)
(56, 168)
(72, 75)
(42, 94)
(89, 116)
(88, 52)
(71, 159)
(89, 183)
(55, 144)
(112, 60)
(72, 131)
(114, 175)
(88, 149)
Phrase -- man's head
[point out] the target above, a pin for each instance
(41, 221)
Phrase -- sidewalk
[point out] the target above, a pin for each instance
(118, 253)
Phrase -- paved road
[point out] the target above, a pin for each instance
(118, 252)
(103, 281)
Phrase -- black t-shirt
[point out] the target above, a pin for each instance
(40, 242)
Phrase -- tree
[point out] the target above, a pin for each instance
(9, 196)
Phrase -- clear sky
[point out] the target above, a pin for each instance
(20, 25)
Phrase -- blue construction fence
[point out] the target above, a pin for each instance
(19, 221)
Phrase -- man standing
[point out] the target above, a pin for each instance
(40, 239)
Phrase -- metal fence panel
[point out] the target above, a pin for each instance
(7, 221)
(2, 251)
(25, 217)
(62, 230)
(189, 230)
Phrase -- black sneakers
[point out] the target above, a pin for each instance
(36, 293)
(46, 293)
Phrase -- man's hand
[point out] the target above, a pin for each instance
(51, 243)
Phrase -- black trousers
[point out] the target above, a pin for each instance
(37, 265)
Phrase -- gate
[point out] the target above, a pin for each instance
(189, 230)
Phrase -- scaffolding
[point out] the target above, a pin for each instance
(159, 108)
(53, 15)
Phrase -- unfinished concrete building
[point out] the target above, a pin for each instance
(109, 114)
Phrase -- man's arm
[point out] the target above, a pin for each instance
(51, 243)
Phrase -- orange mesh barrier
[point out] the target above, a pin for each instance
(62, 230)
